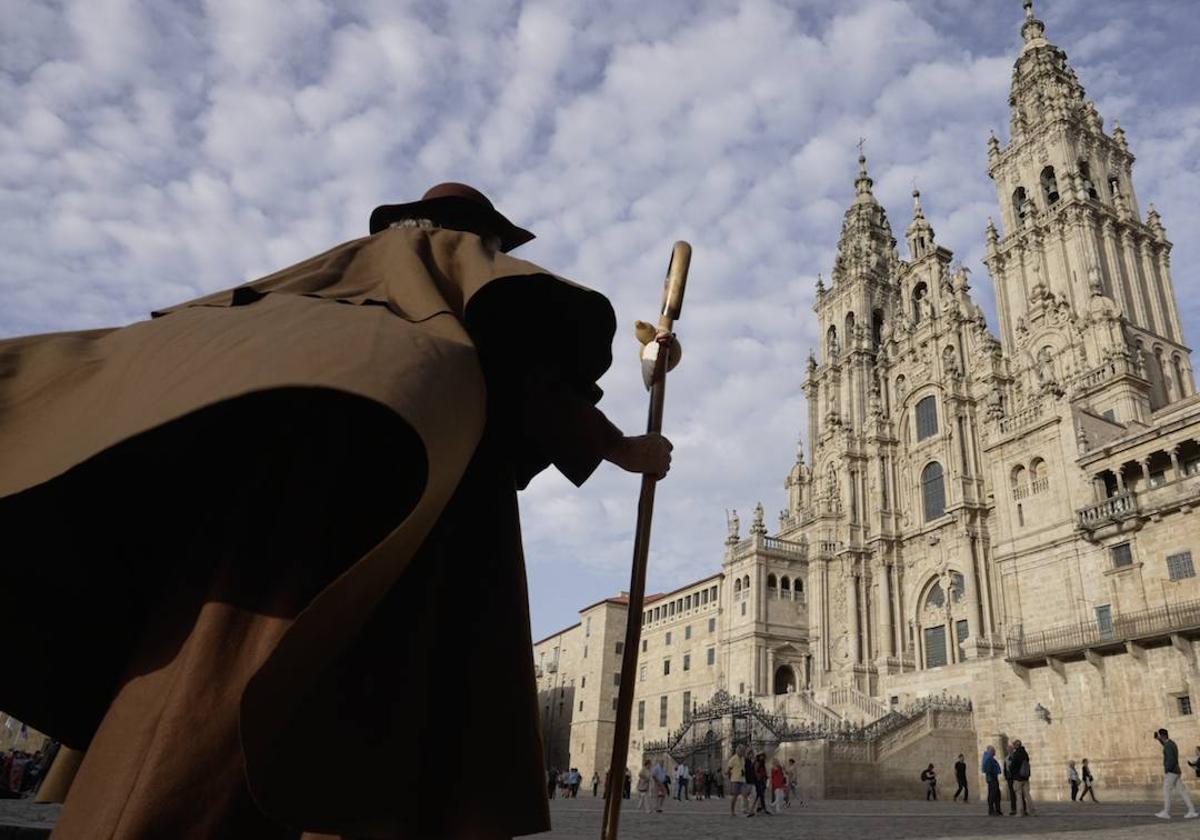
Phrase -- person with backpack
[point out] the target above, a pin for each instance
(1073, 779)
(929, 777)
(1021, 768)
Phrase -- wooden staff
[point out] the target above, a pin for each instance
(654, 372)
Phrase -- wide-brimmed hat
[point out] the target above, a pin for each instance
(455, 206)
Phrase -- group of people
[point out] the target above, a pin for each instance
(564, 783)
(1016, 772)
(772, 787)
(20, 772)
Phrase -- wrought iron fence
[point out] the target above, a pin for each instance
(1123, 627)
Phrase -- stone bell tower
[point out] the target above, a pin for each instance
(1083, 280)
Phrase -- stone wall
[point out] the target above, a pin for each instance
(887, 768)
(1104, 712)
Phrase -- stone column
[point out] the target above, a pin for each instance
(770, 671)
(897, 617)
(883, 610)
(1176, 473)
(852, 603)
(1152, 291)
(1120, 473)
(975, 601)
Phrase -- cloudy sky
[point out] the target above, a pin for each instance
(153, 151)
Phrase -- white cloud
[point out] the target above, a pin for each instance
(149, 153)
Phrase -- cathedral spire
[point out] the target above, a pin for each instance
(1032, 30)
(863, 183)
(866, 247)
(920, 232)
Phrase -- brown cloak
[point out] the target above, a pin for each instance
(296, 500)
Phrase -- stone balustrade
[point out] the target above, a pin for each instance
(1112, 509)
(1020, 419)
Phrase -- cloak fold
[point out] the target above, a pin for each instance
(368, 355)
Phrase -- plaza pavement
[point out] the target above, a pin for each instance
(579, 819)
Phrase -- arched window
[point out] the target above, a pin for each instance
(927, 419)
(1049, 185)
(1020, 482)
(737, 585)
(785, 584)
(771, 582)
(918, 297)
(799, 585)
(1021, 206)
(933, 491)
(936, 597)
(1085, 172)
(746, 582)
(1039, 479)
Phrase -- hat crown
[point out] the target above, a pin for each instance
(453, 189)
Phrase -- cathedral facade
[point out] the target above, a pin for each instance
(1004, 516)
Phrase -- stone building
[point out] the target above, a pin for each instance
(1003, 516)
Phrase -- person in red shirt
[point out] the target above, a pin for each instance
(778, 785)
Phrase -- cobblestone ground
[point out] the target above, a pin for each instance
(579, 819)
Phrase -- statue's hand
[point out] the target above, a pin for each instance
(645, 454)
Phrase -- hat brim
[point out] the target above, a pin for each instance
(454, 213)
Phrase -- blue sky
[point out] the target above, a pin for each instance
(153, 151)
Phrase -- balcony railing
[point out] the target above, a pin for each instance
(1021, 419)
(1162, 621)
(795, 551)
(1113, 509)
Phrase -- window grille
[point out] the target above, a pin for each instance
(1122, 555)
(1180, 566)
(933, 491)
(927, 421)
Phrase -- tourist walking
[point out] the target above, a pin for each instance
(735, 771)
(1010, 781)
(1089, 782)
(643, 787)
(661, 780)
(778, 786)
(627, 787)
(1021, 774)
(929, 777)
(595, 783)
(1172, 778)
(793, 777)
(682, 779)
(760, 775)
(960, 777)
(991, 772)
(1073, 779)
